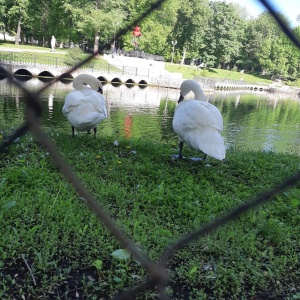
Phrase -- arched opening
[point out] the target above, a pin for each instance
(116, 82)
(46, 79)
(2, 73)
(142, 84)
(103, 80)
(129, 83)
(23, 75)
(46, 74)
(66, 78)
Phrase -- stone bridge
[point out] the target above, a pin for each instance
(115, 75)
(138, 72)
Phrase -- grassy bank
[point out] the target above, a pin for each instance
(11, 45)
(61, 57)
(189, 72)
(155, 200)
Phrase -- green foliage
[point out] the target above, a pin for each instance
(294, 83)
(220, 34)
(155, 200)
(225, 34)
(73, 56)
(191, 26)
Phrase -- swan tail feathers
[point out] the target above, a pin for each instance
(208, 140)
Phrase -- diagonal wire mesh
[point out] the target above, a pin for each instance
(158, 274)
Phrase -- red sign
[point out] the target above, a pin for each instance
(136, 31)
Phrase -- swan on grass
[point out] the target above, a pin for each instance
(198, 123)
(85, 107)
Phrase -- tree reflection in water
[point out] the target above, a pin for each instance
(253, 121)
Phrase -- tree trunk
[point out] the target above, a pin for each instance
(18, 34)
(183, 56)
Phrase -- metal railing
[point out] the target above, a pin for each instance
(158, 274)
(36, 60)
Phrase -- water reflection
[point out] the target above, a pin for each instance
(256, 121)
(50, 105)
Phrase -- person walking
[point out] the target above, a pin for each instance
(53, 41)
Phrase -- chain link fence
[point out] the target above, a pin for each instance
(158, 275)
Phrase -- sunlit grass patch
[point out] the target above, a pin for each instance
(189, 72)
(155, 200)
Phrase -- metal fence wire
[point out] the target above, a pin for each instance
(158, 275)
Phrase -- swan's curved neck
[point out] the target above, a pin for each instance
(82, 80)
(192, 86)
(199, 95)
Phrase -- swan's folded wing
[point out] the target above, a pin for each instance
(97, 100)
(72, 99)
(214, 111)
(192, 114)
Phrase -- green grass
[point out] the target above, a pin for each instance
(7, 44)
(155, 200)
(61, 57)
(189, 72)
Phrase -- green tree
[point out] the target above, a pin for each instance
(17, 15)
(191, 27)
(259, 36)
(224, 39)
(157, 28)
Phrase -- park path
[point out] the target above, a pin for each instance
(47, 50)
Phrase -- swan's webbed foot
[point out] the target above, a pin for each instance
(199, 158)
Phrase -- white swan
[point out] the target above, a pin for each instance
(198, 123)
(85, 107)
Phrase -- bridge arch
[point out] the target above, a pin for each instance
(103, 80)
(66, 76)
(46, 74)
(23, 72)
(46, 79)
(130, 83)
(116, 81)
(142, 84)
(2, 73)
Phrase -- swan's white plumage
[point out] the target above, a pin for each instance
(198, 123)
(85, 107)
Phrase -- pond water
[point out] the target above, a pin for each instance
(252, 121)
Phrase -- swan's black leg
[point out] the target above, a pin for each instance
(180, 149)
(204, 157)
(95, 131)
(89, 132)
(73, 131)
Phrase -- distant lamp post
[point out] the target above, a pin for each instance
(174, 43)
